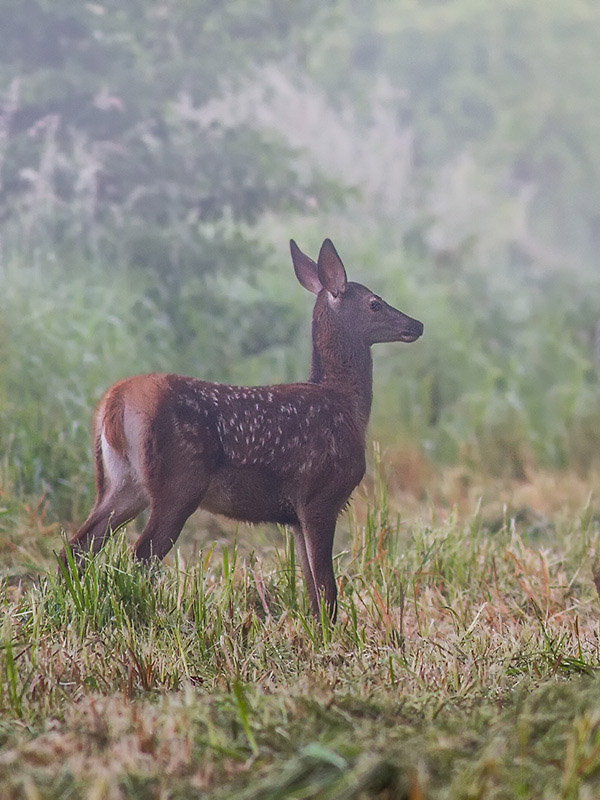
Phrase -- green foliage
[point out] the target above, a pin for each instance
(510, 83)
(107, 148)
(504, 377)
(61, 339)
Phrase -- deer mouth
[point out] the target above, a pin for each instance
(413, 334)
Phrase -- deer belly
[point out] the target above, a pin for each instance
(248, 494)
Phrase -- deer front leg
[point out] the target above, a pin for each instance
(318, 528)
(173, 499)
(311, 588)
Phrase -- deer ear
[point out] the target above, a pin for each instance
(331, 270)
(305, 268)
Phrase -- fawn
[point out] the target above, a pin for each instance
(290, 454)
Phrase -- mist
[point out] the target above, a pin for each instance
(156, 159)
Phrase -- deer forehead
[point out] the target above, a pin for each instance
(354, 293)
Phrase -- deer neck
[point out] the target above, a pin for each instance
(342, 362)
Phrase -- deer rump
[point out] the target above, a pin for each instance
(254, 454)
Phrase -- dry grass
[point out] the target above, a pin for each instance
(463, 664)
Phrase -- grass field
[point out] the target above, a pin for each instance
(463, 663)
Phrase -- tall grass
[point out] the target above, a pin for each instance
(65, 334)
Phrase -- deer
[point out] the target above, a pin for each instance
(290, 454)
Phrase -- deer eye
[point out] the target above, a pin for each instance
(375, 305)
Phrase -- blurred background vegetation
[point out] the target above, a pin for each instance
(156, 157)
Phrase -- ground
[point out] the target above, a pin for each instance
(463, 664)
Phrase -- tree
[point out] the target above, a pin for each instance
(106, 145)
(510, 83)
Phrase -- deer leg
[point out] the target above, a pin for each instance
(115, 509)
(300, 546)
(319, 529)
(168, 513)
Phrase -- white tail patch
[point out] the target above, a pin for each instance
(117, 467)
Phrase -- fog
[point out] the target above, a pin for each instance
(156, 158)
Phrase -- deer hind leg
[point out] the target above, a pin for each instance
(318, 528)
(121, 497)
(168, 514)
(176, 484)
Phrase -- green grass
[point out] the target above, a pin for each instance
(464, 665)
